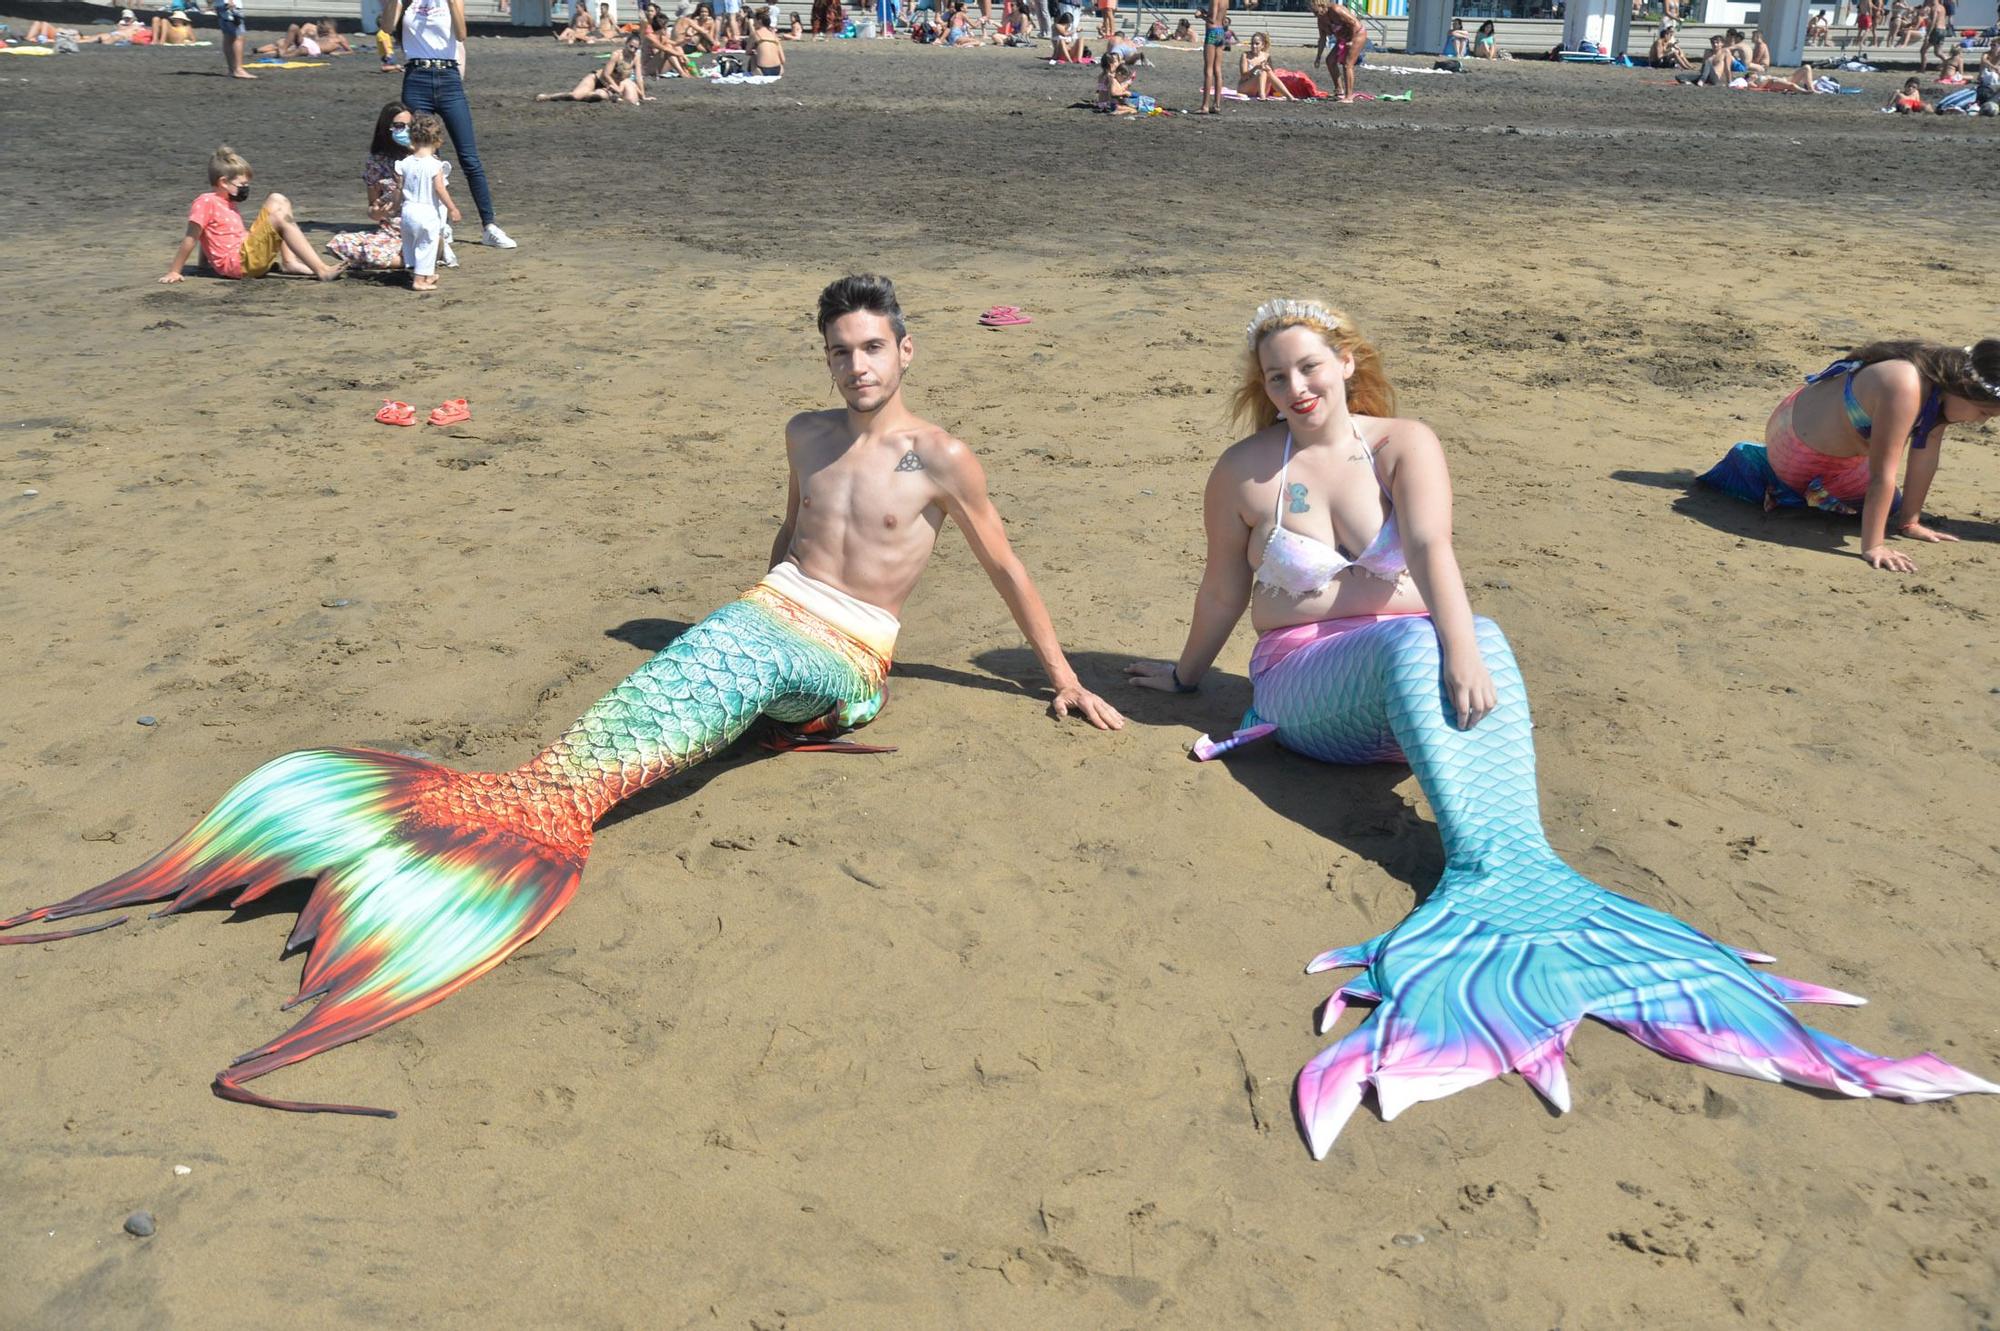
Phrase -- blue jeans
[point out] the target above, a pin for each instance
(442, 93)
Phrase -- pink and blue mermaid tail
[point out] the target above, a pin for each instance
(1493, 971)
(426, 877)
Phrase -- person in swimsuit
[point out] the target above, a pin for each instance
(1215, 37)
(1908, 100)
(619, 79)
(1332, 525)
(767, 52)
(663, 54)
(1838, 440)
(1666, 53)
(1338, 473)
(1258, 76)
(1342, 37)
(1486, 42)
(1457, 42)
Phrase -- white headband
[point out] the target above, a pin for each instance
(1271, 311)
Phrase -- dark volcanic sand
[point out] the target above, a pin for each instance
(997, 1031)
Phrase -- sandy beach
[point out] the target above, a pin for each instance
(999, 1030)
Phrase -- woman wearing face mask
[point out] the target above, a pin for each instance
(434, 53)
(381, 248)
(1332, 525)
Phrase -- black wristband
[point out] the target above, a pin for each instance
(1174, 672)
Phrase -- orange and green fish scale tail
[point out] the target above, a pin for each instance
(425, 877)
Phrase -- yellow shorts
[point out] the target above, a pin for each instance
(260, 245)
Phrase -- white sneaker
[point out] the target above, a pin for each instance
(497, 238)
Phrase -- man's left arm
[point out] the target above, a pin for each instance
(962, 482)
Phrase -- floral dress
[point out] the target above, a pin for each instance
(380, 248)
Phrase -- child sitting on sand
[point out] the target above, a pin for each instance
(1909, 100)
(426, 202)
(1114, 86)
(216, 229)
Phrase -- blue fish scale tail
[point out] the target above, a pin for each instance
(1492, 973)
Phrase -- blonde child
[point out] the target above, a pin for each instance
(426, 202)
(215, 228)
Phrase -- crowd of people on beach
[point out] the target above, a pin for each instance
(406, 183)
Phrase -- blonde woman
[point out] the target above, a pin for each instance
(1331, 524)
(1258, 77)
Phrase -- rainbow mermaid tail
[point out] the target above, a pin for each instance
(427, 878)
(1494, 970)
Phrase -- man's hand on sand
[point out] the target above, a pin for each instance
(1078, 699)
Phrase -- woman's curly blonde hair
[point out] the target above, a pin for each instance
(1368, 390)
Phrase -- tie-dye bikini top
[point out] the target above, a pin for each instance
(1299, 565)
(1928, 415)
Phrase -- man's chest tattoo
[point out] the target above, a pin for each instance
(910, 462)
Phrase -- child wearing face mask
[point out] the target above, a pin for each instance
(227, 249)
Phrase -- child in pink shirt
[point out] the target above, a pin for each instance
(230, 250)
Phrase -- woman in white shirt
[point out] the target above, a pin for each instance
(434, 52)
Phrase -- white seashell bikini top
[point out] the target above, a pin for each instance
(1298, 565)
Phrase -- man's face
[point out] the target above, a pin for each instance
(866, 359)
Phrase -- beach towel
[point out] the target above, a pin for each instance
(1299, 84)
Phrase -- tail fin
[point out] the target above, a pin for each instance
(1462, 999)
(425, 879)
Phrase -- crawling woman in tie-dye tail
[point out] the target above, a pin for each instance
(427, 877)
(1376, 656)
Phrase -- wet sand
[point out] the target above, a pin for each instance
(999, 1030)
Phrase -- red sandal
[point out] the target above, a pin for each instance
(451, 413)
(397, 413)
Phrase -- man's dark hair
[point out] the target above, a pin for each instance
(861, 292)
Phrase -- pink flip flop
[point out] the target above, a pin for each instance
(1004, 316)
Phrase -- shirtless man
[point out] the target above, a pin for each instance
(872, 485)
(1714, 70)
(1939, 35)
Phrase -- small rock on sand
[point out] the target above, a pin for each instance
(140, 1224)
